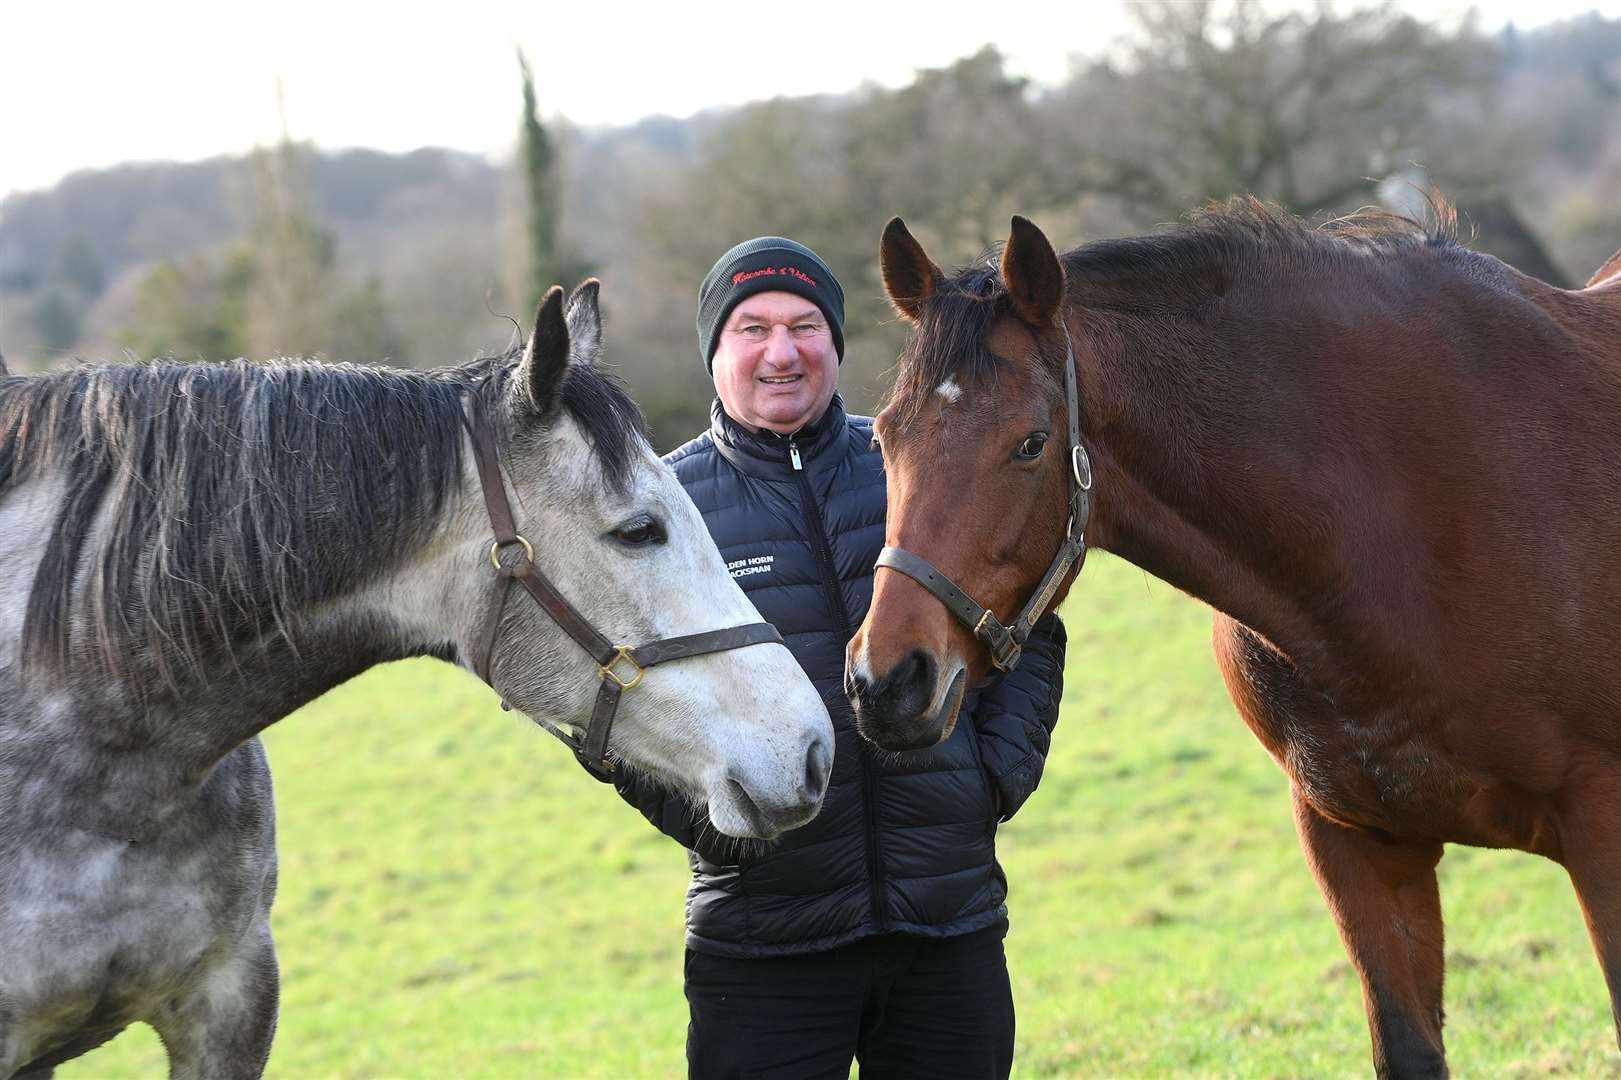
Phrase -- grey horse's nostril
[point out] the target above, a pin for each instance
(818, 763)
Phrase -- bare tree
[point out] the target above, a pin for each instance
(1308, 108)
(289, 309)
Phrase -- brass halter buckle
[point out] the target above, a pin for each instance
(999, 642)
(623, 652)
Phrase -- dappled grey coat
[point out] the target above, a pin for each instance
(903, 842)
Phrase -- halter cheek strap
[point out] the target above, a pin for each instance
(1005, 643)
(621, 666)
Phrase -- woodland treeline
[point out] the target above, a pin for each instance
(417, 259)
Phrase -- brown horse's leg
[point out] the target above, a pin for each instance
(1384, 897)
(1382, 892)
(1590, 837)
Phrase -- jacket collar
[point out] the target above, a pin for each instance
(765, 453)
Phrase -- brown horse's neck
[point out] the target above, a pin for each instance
(1271, 451)
(1168, 500)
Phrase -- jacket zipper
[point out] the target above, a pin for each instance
(830, 585)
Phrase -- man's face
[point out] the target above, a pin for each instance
(775, 365)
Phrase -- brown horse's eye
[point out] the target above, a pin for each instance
(1032, 446)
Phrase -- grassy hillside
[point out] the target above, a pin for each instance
(459, 900)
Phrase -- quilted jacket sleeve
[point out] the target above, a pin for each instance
(1015, 719)
(673, 816)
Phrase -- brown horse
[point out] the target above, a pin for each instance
(1391, 465)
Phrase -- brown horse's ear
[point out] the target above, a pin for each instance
(910, 276)
(1610, 269)
(540, 373)
(1032, 274)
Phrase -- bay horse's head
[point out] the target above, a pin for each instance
(976, 450)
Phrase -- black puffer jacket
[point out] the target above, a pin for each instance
(903, 842)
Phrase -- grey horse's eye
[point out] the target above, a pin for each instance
(1032, 446)
(640, 531)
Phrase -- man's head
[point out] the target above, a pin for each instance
(771, 332)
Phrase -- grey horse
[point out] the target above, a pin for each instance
(192, 551)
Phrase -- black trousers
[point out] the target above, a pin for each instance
(903, 1006)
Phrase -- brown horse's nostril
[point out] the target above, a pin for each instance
(856, 688)
(893, 710)
(914, 673)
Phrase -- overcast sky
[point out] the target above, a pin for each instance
(92, 84)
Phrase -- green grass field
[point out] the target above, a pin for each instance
(459, 900)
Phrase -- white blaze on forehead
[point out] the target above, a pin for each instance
(949, 390)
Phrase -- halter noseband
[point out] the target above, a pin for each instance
(1006, 643)
(621, 666)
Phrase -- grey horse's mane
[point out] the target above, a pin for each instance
(205, 504)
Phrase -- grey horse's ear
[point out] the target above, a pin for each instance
(539, 377)
(585, 323)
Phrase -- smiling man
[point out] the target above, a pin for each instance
(874, 932)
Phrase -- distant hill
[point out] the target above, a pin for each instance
(111, 224)
(132, 214)
(425, 223)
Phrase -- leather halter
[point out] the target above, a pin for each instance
(621, 666)
(1006, 643)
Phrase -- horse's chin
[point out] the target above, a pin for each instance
(951, 705)
(735, 812)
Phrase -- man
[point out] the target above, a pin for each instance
(876, 930)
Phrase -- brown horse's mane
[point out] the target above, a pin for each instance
(1182, 267)
(1218, 244)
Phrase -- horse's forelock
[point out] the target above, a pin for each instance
(598, 403)
(951, 340)
(615, 426)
